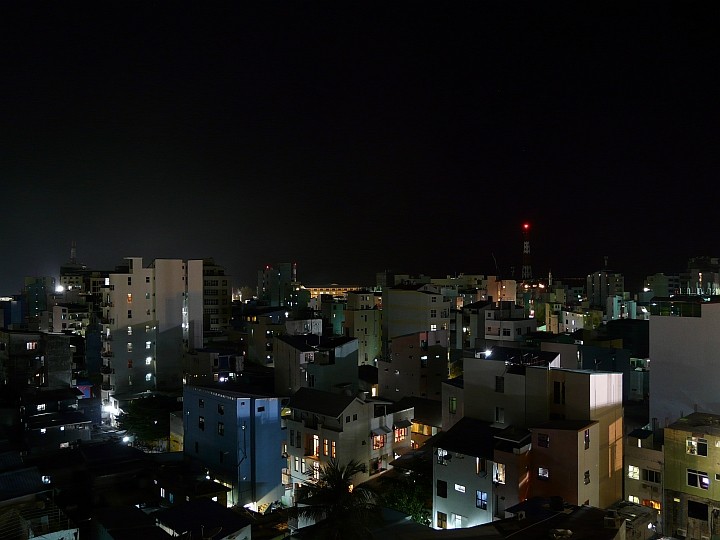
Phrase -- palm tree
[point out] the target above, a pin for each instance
(339, 509)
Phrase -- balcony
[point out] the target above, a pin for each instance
(107, 354)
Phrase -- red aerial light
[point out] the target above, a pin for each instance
(526, 226)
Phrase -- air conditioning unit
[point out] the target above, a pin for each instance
(682, 532)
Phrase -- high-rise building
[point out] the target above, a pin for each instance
(151, 315)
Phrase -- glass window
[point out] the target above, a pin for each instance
(441, 489)
(543, 473)
(696, 446)
(543, 440)
(633, 472)
(481, 500)
(698, 479)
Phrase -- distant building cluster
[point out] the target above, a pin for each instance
(150, 395)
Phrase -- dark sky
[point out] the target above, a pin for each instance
(353, 137)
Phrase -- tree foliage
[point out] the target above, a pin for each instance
(409, 495)
(340, 509)
(148, 418)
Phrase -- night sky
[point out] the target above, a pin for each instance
(354, 137)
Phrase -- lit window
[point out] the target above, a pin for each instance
(480, 466)
(148, 360)
(129, 298)
(41, 407)
(31, 345)
(443, 457)
(587, 477)
(696, 446)
(201, 423)
(698, 479)
(378, 442)
(633, 472)
(459, 488)
(129, 347)
(543, 472)
(543, 440)
(332, 449)
(481, 500)
(499, 475)
(129, 330)
(400, 434)
(148, 377)
(221, 429)
(634, 499)
(147, 344)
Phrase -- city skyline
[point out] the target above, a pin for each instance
(353, 140)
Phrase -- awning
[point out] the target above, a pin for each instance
(402, 424)
(382, 430)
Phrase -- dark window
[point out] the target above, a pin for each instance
(221, 409)
(543, 440)
(587, 439)
(201, 423)
(697, 510)
(587, 477)
(500, 384)
(201, 403)
(261, 409)
(221, 429)
(452, 405)
(442, 489)
(649, 475)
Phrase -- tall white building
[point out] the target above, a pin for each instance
(151, 315)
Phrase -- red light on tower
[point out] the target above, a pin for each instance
(526, 226)
(526, 269)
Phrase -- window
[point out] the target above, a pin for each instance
(698, 479)
(696, 446)
(129, 298)
(148, 377)
(378, 442)
(130, 364)
(129, 280)
(296, 463)
(354, 416)
(480, 466)
(543, 440)
(506, 332)
(401, 434)
(201, 423)
(633, 472)
(543, 473)
(148, 360)
(441, 489)
(326, 447)
(433, 298)
(147, 279)
(459, 488)
(261, 409)
(129, 314)
(292, 436)
(442, 456)
(424, 361)
(201, 403)
(31, 345)
(452, 405)
(197, 447)
(221, 409)
(129, 330)
(499, 475)
(433, 327)
(648, 475)
(148, 344)
(500, 415)
(316, 445)
(433, 313)
(500, 384)
(298, 439)
(587, 433)
(347, 419)
(40, 407)
(634, 499)
(221, 429)
(442, 520)
(481, 498)
(129, 347)
(332, 449)
(587, 477)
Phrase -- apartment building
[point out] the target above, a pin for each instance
(691, 476)
(363, 321)
(324, 425)
(238, 437)
(151, 315)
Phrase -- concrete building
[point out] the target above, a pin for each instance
(217, 298)
(275, 284)
(324, 425)
(506, 322)
(363, 321)
(691, 478)
(308, 360)
(515, 388)
(644, 463)
(601, 285)
(416, 365)
(151, 315)
(408, 309)
(238, 437)
(683, 346)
